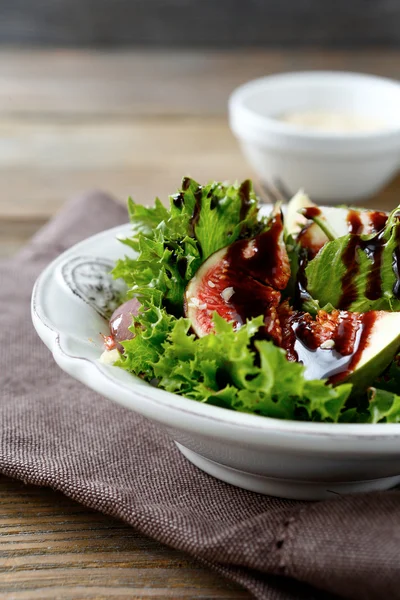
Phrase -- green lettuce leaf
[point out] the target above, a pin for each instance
(384, 406)
(326, 271)
(229, 369)
(172, 243)
(227, 213)
(147, 218)
(390, 379)
(151, 328)
(234, 369)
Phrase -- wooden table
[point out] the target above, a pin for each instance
(131, 123)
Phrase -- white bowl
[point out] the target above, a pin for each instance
(331, 167)
(283, 458)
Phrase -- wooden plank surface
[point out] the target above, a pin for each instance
(131, 123)
(120, 83)
(51, 547)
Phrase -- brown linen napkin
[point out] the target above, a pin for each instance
(56, 432)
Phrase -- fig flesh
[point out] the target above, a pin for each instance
(341, 345)
(241, 281)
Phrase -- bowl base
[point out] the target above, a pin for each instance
(285, 488)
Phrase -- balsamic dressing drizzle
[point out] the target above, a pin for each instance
(300, 290)
(352, 332)
(255, 264)
(368, 320)
(260, 257)
(254, 267)
(186, 183)
(197, 206)
(244, 194)
(373, 248)
(396, 265)
(354, 222)
(350, 261)
(355, 225)
(178, 200)
(194, 219)
(351, 336)
(310, 212)
(378, 220)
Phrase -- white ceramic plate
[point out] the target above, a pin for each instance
(282, 458)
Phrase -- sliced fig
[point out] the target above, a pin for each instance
(341, 345)
(120, 322)
(246, 279)
(340, 221)
(313, 226)
(239, 282)
(264, 257)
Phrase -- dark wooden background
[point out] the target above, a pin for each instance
(212, 23)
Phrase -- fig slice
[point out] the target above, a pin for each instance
(240, 281)
(340, 346)
(120, 321)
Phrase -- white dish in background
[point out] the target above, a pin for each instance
(332, 167)
(290, 459)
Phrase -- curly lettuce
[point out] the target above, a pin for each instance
(237, 369)
(172, 244)
(230, 369)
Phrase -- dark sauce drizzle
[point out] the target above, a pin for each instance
(300, 289)
(396, 265)
(254, 263)
(186, 183)
(178, 200)
(264, 259)
(368, 320)
(311, 211)
(354, 222)
(197, 206)
(352, 333)
(378, 220)
(351, 337)
(194, 219)
(213, 202)
(244, 194)
(350, 261)
(373, 248)
(182, 266)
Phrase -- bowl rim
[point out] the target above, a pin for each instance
(191, 408)
(239, 111)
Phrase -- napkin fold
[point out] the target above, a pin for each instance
(55, 432)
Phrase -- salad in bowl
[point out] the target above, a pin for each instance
(290, 312)
(263, 339)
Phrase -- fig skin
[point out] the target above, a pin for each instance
(241, 281)
(121, 320)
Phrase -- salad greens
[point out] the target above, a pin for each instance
(223, 370)
(235, 367)
(172, 244)
(324, 285)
